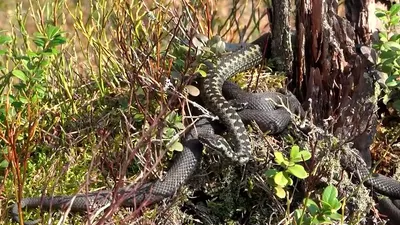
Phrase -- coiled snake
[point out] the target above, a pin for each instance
(236, 62)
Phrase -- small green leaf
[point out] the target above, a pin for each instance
(336, 205)
(380, 14)
(394, 10)
(138, 117)
(168, 132)
(330, 194)
(290, 183)
(392, 81)
(281, 160)
(394, 37)
(179, 125)
(300, 156)
(202, 73)
(311, 206)
(387, 54)
(280, 192)
(20, 75)
(280, 179)
(279, 157)
(298, 171)
(52, 31)
(176, 146)
(5, 39)
(392, 45)
(17, 105)
(294, 152)
(396, 105)
(335, 216)
(4, 164)
(394, 20)
(270, 173)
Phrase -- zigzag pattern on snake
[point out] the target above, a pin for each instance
(235, 63)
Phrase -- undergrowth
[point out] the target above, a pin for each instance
(85, 105)
(83, 100)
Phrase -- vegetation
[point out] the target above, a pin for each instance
(389, 53)
(86, 103)
(280, 179)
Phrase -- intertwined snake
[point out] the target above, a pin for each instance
(235, 63)
(267, 115)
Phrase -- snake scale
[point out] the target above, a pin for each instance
(257, 108)
(235, 63)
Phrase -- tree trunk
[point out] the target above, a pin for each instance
(328, 70)
(281, 37)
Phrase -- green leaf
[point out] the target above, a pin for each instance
(39, 39)
(396, 105)
(380, 14)
(299, 156)
(311, 206)
(168, 132)
(4, 164)
(202, 73)
(17, 105)
(335, 216)
(57, 41)
(176, 146)
(294, 151)
(138, 117)
(394, 10)
(280, 192)
(392, 81)
(5, 39)
(387, 54)
(392, 45)
(336, 205)
(298, 171)
(179, 125)
(270, 173)
(290, 183)
(280, 159)
(20, 75)
(330, 194)
(280, 179)
(383, 37)
(394, 20)
(305, 155)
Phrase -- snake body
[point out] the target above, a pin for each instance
(236, 62)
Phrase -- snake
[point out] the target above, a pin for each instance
(211, 90)
(234, 107)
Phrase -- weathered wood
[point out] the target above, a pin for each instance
(328, 69)
(281, 37)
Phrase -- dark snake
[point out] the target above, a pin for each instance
(258, 108)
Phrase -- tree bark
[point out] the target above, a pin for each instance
(281, 44)
(328, 70)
